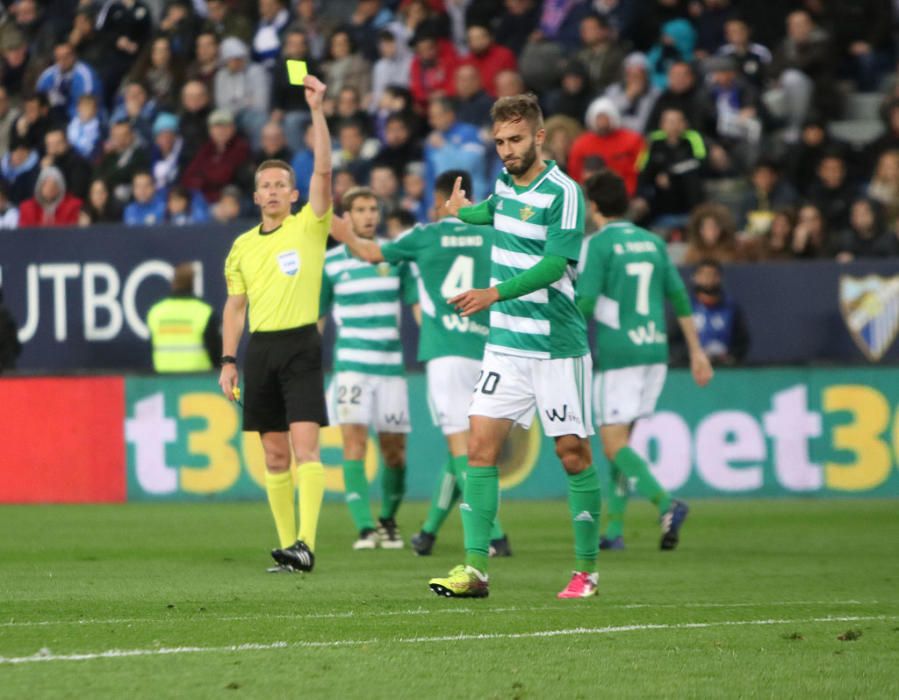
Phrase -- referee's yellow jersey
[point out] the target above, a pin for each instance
(280, 271)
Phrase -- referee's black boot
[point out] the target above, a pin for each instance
(297, 556)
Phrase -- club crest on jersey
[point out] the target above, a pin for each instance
(289, 262)
(526, 213)
(383, 269)
(870, 308)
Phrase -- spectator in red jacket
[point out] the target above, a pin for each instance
(487, 56)
(619, 148)
(221, 161)
(433, 66)
(51, 204)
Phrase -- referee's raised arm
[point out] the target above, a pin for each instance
(320, 184)
(274, 276)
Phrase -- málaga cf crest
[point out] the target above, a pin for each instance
(870, 307)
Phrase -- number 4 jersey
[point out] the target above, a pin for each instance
(627, 271)
(448, 257)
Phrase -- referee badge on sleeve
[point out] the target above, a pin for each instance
(289, 262)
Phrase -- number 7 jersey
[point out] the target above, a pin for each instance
(627, 270)
(448, 257)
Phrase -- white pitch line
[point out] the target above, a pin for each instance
(350, 614)
(807, 603)
(43, 657)
(246, 618)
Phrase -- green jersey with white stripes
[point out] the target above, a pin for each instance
(364, 300)
(627, 272)
(448, 257)
(544, 218)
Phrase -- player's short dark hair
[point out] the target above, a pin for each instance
(514, 108)
(403, 216)
(354, 193)
(447, 180)
(275, 164)
(607, 191)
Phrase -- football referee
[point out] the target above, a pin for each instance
(275, 270)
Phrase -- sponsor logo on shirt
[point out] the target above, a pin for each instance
(647, 335)
(454, 322)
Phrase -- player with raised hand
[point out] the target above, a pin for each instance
(274, 270)
(537, 356)
(449, 257)
(625, 279)
(369, 387)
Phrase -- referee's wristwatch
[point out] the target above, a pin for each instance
(228, 360)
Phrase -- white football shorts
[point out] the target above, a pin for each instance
(451, 382)
(355, 398)
(626, 394)
(514, 387)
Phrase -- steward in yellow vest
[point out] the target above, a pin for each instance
(184, 330)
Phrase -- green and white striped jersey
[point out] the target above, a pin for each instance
(544, 218)
(364, 300)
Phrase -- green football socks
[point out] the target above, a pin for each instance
(445, 495)
(635, 467)
(481, 500)
(393, 486)
(583, 503)
(356, 490)
(616, 503)
(496, 532)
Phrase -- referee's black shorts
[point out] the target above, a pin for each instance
(283, 380)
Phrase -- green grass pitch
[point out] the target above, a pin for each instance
(172, 601)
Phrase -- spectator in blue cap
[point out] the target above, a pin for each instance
(168, 150)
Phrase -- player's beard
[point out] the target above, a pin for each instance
(526, 160)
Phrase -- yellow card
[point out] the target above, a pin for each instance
(296, 71)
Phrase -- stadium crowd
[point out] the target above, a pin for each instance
(718, 114)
